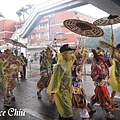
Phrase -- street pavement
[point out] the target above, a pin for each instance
(41, 109)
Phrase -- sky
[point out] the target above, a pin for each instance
(92, 11)
(9, 7)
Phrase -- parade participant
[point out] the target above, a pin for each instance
(21, 63)
(1, 55)
(3, 87)
(60, 86)
(101, 79)
(23, 74)
(45, 71)
(115, 73)
(41, 59)
(10, 73)
(79, 95)
(41, 56)
(74, 75)
(29, 60)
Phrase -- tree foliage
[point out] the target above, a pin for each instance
(24, 10)
(1, 15)
(94, 42)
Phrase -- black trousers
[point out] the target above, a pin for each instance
(61, 118)
(23, 75)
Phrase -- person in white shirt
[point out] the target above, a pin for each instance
(29, 61)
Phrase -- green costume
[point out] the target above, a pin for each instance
(61, 85)
(3, 64)
(19, 58)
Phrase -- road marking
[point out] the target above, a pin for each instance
(37, 115)
(117, 97)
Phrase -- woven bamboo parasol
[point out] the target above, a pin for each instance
(13, 42)
(110, 20)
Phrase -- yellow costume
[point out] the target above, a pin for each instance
(115, 73)
(11, 72)
(61, 85)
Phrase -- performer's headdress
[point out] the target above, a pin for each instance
(98, 55)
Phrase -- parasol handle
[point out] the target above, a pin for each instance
(112, 36)
(80, 40)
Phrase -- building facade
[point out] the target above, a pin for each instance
(7, 28)
(49, 31)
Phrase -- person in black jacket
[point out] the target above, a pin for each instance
(23, 76)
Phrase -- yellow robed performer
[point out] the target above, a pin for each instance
(115, 72)
(60, 86)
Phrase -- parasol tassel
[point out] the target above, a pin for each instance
(112, 41)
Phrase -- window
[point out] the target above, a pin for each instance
(38, 26)
(62, 26)
(43, 24)
(37, 35)
(43, 34)
(52, 22)
(2, 29)
(32, 36)
(53, 32)
(2, 36)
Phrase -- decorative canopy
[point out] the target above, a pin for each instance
(13, 42)
(110, 20)
(83, 28)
